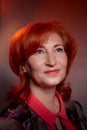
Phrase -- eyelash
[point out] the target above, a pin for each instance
(39, 51)
(59, 49)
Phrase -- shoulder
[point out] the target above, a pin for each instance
(7, 118)
(13, 116)
(11, 109)
(75, 113)
(74, 106)
(9, 124)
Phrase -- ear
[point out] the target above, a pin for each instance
(24, 69)
(27, 67)
(23, 72)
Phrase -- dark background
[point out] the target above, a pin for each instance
(73, 13)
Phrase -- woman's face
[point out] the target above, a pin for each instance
(49, 63)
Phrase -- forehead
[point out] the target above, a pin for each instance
(35, 41)
(52, 38)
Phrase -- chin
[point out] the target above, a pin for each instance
(53, 82)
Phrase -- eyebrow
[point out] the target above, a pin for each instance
(42, 46)
(58, 45)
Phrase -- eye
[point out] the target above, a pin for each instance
(39, 51)
(60, 49)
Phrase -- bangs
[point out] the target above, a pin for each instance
(36, 36)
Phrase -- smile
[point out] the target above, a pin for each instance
(52, 71)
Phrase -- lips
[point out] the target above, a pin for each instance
(52, 71)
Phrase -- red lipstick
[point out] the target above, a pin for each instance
(52, 71)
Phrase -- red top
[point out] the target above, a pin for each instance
(48, 116)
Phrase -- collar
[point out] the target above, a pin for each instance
(44, 112)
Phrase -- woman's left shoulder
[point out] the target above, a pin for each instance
(75, 108)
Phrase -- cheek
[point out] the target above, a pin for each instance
(35, 64)
(63, 61)
(66, 61)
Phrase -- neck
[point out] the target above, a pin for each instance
(47, 97)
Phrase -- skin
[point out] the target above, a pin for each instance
(47, 69)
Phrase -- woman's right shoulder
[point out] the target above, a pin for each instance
(13, 115)
(11, 109)
(8, 117)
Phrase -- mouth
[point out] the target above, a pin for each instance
(56, 71)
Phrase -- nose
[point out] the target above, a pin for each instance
(51, 60)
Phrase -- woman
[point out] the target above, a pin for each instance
(41, 54)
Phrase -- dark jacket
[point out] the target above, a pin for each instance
(19, 116)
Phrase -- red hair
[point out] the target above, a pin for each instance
(27, 40)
